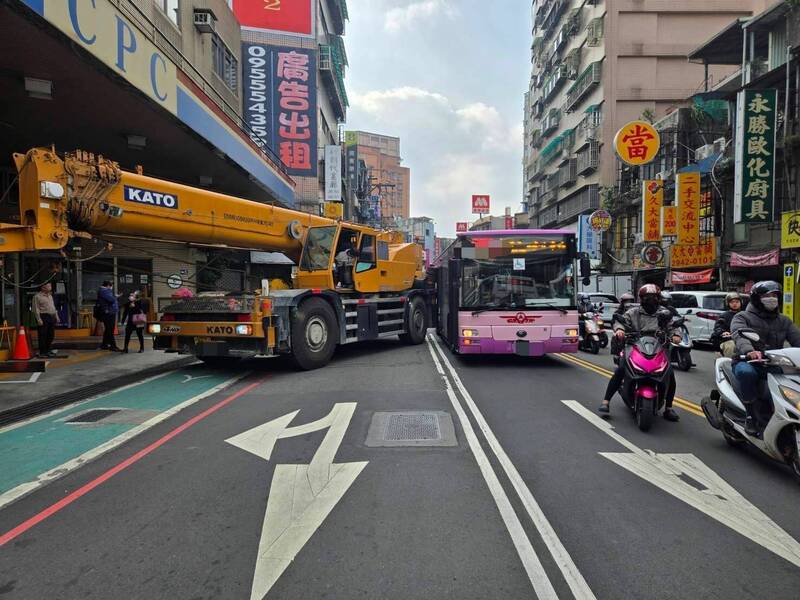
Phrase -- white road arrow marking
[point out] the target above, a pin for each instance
(188, 378)
(301, 496)
(712, 495)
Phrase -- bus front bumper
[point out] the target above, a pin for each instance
(517, 347)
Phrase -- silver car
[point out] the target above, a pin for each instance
(702, 310)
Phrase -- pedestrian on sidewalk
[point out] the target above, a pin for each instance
(46, 315)
(108, 308)
(135, 318)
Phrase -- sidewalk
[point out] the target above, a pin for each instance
(84, 373)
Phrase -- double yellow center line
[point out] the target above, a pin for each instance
(682, 403)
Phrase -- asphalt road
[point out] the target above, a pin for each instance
(275, 485)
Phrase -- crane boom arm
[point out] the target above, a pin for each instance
(87, 193)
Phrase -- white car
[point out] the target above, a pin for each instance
(702, 310)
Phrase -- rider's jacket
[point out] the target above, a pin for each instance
(637, 320)
(773, 328)
(722, 325)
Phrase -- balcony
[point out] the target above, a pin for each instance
(332, 62)
(551, 121)
(555, 81)
(568, 173)
(585, 83)
(548, 217)
(338, 15)
(585, 200)
(552, 151)
(588, 129)
(589, 158)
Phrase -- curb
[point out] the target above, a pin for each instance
(46, 404)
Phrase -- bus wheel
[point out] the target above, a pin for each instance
(417, 323)
(314, 334)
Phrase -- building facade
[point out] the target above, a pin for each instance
(375, 171)
(595, 66)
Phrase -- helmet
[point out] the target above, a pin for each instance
(762, 288)
(626, 298)
(732, 296)
(649, 289)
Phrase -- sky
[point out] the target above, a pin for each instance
(447, 77)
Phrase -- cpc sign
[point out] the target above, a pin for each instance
(480, 204)
(284, 16)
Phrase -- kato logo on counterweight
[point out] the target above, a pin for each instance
(142, 196)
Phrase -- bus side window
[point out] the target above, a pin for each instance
(366, 255)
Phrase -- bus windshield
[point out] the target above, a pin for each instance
(532, 272)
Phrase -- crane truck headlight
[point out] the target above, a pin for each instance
(244, 330)
(154, 328)
(51, 190)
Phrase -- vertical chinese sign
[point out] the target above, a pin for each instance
(588, 238)
(279, 16)
(687, 196)
(653, 194)
(754, 190)
(333, 173)
(280, 103)
(669, 221)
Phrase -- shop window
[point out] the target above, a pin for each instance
(226, 66)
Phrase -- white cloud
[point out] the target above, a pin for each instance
(455, 150)
(403, 17)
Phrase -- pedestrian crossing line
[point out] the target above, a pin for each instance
(686, 405)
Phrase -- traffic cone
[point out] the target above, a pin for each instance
(22, 350)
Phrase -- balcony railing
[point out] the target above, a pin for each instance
(589, 158)
(548, 216)
(584, 84)
(331, 65)
(551, 121)
(586, 199)
(568, 173)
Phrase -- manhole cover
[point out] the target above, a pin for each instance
(412, 428)
(93, 416)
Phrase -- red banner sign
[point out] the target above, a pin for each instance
(686, 278)
(509, 222)
(767, 259)
(461, 227)
(480, 204)
(288, 16)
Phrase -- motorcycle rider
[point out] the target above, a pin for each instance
(624, 304)
(774, 329)
(721, 336)
(645, 318)
(666, 302)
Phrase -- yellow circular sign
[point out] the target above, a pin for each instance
(637, 143)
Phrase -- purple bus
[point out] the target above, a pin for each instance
(509, 292)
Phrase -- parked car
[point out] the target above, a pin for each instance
(702, 309)
(610, 303)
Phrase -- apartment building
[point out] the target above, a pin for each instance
(595, 65)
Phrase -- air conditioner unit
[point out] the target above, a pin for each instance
(719, 145)
(204, 20)
(638, 238)
(664, 175)
(704, 152)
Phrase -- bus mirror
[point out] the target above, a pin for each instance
(586, 268)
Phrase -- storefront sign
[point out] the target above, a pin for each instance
(333, 173)
(174, 281)
(689, 255)
(280, 103)
(588, 238)
(277, 16)
(600, 220)
(480, 204)
(687, 197)
(461, 227)
(653, 194)
(669, 221)
(653, 254)
(766, 259)
(788, 290)
(754, 189)
(333, 210)
(685, 278)
(637, 143)
(790, 229)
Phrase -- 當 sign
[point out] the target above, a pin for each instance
(754, 187)
(637, 143)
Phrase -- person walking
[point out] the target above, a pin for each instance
(134, 316)
(44, 311)
(108, 308)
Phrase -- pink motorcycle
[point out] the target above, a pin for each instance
(648, 374)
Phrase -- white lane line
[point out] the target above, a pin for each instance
(32, 379)
(562, 558)
(715, 497)
(533, 566)
(61, 470)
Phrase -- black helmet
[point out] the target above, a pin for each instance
(762, 288)
(626, 298)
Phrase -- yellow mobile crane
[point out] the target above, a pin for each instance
(379, 293)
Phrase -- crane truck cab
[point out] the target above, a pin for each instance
(377, 292)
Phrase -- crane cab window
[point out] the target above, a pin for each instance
(366, 254)
(317, 249)
(344, 258)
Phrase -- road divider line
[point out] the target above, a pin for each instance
(530, 560)
(686, 405)
(573, 577)
(131, 460)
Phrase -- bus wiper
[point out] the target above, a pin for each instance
(561, 309)
(501, 306)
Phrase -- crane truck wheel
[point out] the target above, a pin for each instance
(416, 324)
(314, 334)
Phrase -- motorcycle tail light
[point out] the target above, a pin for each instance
(708, 315)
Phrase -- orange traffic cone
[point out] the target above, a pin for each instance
(22, 350)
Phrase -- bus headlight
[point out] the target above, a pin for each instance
(244, 330)
(469, 333)
(154, 328)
